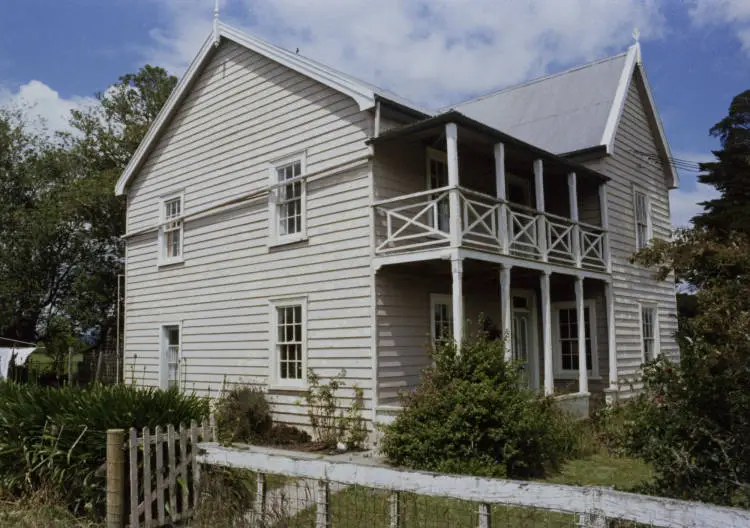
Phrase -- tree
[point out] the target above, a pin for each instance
(60, 246)
(730, 173)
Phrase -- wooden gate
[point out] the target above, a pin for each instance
(164, 472)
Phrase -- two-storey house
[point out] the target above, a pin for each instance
(283, 216)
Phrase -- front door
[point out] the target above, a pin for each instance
(437, 177)
(523, 335)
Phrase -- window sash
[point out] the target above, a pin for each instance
(648, 332)
(289, 199)
(568, 337)
(289, 342)
(641, 220)
(172, 229)
(171, 336)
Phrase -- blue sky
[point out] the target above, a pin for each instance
(56, 55)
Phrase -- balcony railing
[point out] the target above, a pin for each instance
(422, 220)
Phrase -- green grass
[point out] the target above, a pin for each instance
(356, 506)
(621, 473)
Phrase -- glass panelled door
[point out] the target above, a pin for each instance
(523, 338)
(437, 177)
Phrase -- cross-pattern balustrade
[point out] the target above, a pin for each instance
(422, 220)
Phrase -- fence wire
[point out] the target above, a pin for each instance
(282, 502)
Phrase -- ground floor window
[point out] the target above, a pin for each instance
(171, 355)
(289, 347)
(441, 318)
(565, 339)
(649, 332)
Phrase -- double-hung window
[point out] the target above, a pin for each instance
(171, 356)
(642, 220)
(171, 229)
(649, 332)
(289, 342)
(441, 318)
(288, 204)
(566, 339)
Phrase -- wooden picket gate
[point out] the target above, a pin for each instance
(164, 472)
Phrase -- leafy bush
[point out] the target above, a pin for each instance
(330, 425)
(693, 423)
(471, 414)
(243, 414)
(56, 438)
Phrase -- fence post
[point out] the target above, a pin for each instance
(260, 497)
(397, 510)
(322, 517)
(485, 516)
(592, 520)
(115, 478)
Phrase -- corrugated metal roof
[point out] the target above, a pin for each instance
(561, 113)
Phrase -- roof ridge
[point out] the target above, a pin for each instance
(540, 79)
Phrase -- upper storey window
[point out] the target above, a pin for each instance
(288, 207)
(171, 229)
(642, 220)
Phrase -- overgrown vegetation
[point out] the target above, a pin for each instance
(331, 425)
(693, 420)
(472, 414)
(55, 439)
(243, 414)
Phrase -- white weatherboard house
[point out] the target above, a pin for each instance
(283, 216)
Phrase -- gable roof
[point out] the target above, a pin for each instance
(363, 93)
(564, 113)
(572, 111)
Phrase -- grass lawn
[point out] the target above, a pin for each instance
(365, 507)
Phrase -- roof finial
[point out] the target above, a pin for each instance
(217, 37)
(637, 44)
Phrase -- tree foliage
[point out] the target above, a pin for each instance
(693, 420)
(60, 246)
(730, 173)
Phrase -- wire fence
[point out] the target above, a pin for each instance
(299, 490)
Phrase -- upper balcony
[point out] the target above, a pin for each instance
(450, 182)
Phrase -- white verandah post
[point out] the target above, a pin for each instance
(549, 379)
(541, 220)
(604, 213)
(576, 231)
(457, 270)
(583, 380)
(506, 310)
(454, 200)
(611, 337)
(500, 193)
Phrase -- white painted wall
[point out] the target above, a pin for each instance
(244, 112)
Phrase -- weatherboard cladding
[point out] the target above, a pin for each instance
(632, 283)
(560, 113)
(244, 112)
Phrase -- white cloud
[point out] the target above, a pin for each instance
(684, 202)
(43, 106)
(434, 52)
(734, 13)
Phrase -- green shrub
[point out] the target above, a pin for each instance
(243, 414)
(56, 438)
(693, 424)
(331, 425)
(471, 414)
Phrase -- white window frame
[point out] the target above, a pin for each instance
(440, 298)
(163, 259)
(649, 222)
(274, 235)
(593, 372)
(657, 342)
(276, 382)
(163, 361)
